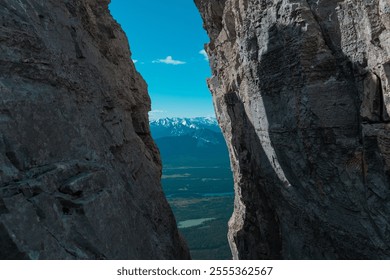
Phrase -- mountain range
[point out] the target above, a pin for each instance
(190, 141)
(182, 126)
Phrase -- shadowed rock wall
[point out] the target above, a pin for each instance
(79, 172)
(301, 90)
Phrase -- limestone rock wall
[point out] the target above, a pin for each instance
(79, 172)
(301, 90)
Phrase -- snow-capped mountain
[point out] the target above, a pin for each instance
(167, 127)
(189, 141)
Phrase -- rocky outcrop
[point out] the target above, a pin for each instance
(301, 89)
(79, 172)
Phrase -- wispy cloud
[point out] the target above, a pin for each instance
(169, 60)
(134, 61)
(157, 112)
(203, 52)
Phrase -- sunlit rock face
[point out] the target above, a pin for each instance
(79, 172)
(302, 93)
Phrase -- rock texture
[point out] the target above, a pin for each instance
(302, 92)
(79, 172)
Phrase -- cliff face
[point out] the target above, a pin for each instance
(79, 172)
(302, 93)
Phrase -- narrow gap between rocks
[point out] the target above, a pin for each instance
(167, 44)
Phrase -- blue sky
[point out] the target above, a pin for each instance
(166, 37)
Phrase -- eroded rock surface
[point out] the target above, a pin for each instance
(79, 172)
(301, 90)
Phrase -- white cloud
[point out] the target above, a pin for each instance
(169, 60)
(134, 61)
(203, 52)
(157, 112)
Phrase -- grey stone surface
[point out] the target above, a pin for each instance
(79, 172)
(301, 90)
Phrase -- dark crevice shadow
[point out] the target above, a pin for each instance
(261, 225)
